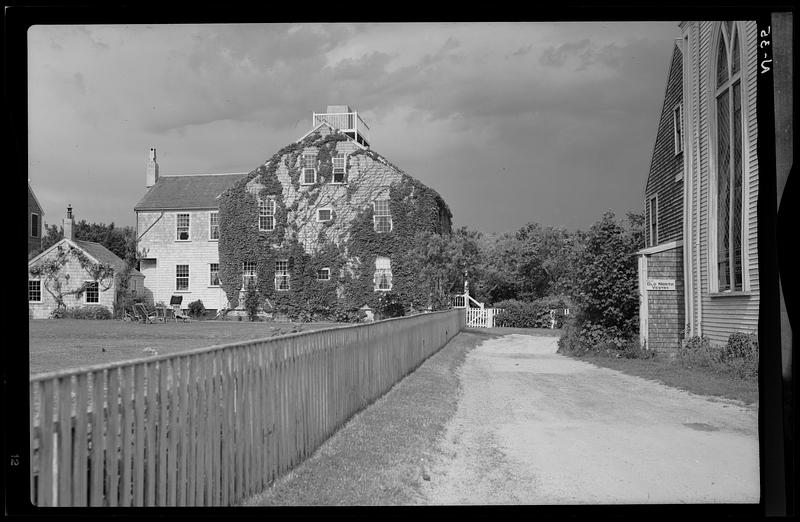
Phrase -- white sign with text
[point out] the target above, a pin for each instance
(661, 284)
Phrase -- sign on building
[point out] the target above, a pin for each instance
(661, 284)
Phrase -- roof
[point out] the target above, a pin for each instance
(96, 251)
(187, 192)
(32, 193)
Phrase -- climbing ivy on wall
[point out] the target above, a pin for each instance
(350, 256)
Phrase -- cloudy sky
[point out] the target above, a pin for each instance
(510, 122)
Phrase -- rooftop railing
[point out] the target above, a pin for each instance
(348, 122)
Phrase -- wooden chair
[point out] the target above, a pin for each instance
(175, 301)
(143, 314)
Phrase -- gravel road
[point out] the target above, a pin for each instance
(535, 427)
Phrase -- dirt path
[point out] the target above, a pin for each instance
(534, 427)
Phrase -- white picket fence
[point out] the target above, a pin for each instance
(478, 315)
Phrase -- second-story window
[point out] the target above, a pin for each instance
(338, 168)
(266, 215)
(309, 168)
(382, 217)
(34, 224)
(677, 126)
(213, 225)
(652, 215)
(183, 227)
(324, 214)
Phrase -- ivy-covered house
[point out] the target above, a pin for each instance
(326, 226)
(74, 273)
(177, 226)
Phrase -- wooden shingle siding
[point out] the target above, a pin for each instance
(666, 308)
(665, 164)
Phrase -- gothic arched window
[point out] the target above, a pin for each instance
(729, 140)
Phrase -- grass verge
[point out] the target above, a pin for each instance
(379, 457)
(701, 381)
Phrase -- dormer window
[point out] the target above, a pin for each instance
(309, 168)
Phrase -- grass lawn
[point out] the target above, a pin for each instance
(57, 344)
(701, 381)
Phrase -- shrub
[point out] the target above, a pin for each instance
(196, 308)
(633, 349)
(739, 356)
(352, 315)
(83, 312)
(251, 301)
(534, 314)
(580, 338)
(390, 305)
(697, 351)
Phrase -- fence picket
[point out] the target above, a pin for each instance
(138, 438)
(126, 468)
(112, 437)
(80, 470)
(97, 463)
(64, 441)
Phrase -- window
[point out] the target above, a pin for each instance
(35, 227)
(677, 125)
(652, 217)
(309, 168)
(34, 291)
(249, 273)
(213, 225)
(182, 277)
(728, 142)
(324, 214)
(183, 227)
(214, 269)
(383, 274)
(92, 292)
(266, 215)
(382, 218)
(338, 167)
(282, 274)
(323, 274)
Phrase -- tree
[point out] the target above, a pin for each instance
(121, 241)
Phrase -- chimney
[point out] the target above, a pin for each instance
(68, 223)
(152, 169)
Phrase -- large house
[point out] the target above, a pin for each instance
(74, 273)
(35, 221)
(324, 227)
(698, 272)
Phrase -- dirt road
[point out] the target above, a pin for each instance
(535, 427)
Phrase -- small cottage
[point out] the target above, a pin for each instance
(74, 273)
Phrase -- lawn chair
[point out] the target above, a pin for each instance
(143, 314)
(175, 302)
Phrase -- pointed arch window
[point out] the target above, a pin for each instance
(729, 143)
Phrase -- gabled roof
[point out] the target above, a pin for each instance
(333, 131)
(96, 252)
(187, 192)
(32, 193)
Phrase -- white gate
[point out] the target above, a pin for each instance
(478, 316)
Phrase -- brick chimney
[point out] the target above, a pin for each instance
(152, 169)
(68, 223)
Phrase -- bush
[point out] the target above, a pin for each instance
(83, 312)
(352, 315)
(390, 305)
(251, 301)
(739, 356)
(535, 314)
(196, 308)
(581, 338)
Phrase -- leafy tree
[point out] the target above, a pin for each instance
(121, 241)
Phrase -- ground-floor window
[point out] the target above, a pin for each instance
(282, 274)
(214, 269)
(383, 274)
(181, 277)
(34, 291)
(92, 292)
(249, 273)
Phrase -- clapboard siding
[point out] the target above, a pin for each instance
(721, 315)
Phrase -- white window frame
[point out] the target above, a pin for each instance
(713, 206)
(303, 168)
(212, 226)
(178, 226)
(39, 281)
(382, 270)
(38, 234)
(179, 277)
(249, 273)
(652, 204)
(211, 275)
(677, 127)
(86, 292)
(282, 274)
(324, 220)
(266, 210)
(343, 157)
(326, 270)
(375, 216)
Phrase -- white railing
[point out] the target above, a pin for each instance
(478, 315)
(344, 121)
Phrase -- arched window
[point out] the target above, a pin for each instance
(729, 140)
